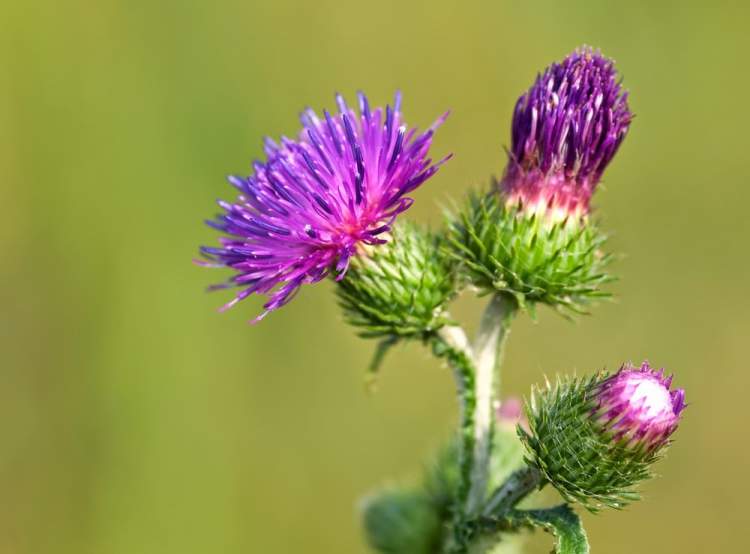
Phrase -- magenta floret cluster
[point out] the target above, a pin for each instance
(306, 209)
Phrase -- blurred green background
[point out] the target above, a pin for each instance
(135, 419)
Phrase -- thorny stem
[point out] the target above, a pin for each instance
(488, 350)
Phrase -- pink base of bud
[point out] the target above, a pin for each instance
(552, 197)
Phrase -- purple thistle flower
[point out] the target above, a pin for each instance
(566, 129)
(637, 407)
(310, 206)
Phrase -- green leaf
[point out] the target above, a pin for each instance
(561, 521)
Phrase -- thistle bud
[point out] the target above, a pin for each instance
(531, 236)
(566, 129)
(399, 290)
(595, 439)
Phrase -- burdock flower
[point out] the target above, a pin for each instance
(307, 209)
(566, 129)
(530, 236)
(595, 439)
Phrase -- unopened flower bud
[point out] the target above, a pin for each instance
(566, 129)
(531, 236)
(594, 439)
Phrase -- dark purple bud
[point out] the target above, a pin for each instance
(566, 129)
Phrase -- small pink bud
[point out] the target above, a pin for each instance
(637, 407)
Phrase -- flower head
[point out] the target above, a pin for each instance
(566, 129)
(637, 407)
(595, 439)
(306, 210)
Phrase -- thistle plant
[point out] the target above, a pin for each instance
(326, 204)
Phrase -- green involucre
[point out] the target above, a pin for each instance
(401, 288)
(572, 452)
(501, 249)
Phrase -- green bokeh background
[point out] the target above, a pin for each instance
(135, 419)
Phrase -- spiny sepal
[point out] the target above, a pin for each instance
(502, 247)
(400, 289)
(578, 455)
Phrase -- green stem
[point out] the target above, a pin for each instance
(451, 343)
(519, 485)
(488, 349)
(455, 347)
(476, 373)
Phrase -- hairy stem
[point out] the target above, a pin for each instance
(456, 348)
(488, 349)
(516, 488)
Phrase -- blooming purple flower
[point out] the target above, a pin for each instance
(637, 407)
(566, 129)
(316, 200)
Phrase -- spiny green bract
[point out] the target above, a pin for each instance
(580, 460)
(400, 288)
(501, 249)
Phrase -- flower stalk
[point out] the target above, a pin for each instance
(476, 371)
(488, 353)
(519, 485)
(454, 345)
